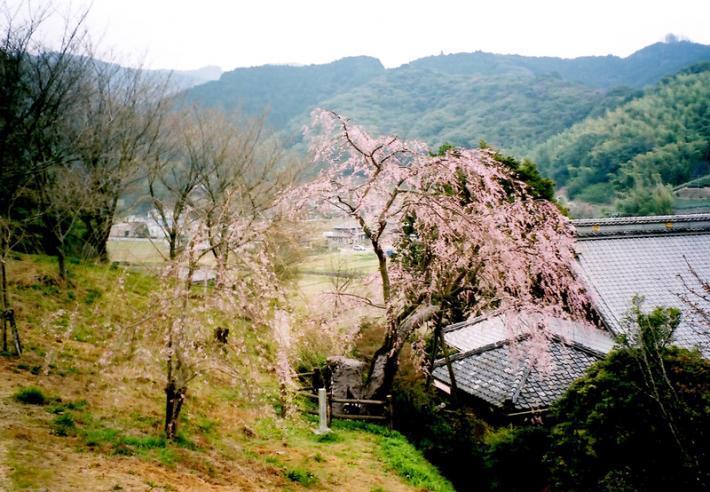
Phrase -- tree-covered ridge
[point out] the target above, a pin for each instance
(525, 106)
(513, 102)
(644, 67)
(663, 135)
(284, 91)
(512, 112)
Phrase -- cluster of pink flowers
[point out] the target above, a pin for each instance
(476, 235)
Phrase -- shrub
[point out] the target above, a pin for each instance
(304, 477)
(514, 458)
(329, 437)
(31, 396)
(452, 442)
(63, 425)
(637, 420)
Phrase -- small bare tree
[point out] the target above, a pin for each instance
(243, 175)
(63, 197)
(175, 173)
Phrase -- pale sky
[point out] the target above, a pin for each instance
(186, 34)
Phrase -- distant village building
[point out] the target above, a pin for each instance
(345, 234)
(618, 259)
(138, 227)
(132, 230)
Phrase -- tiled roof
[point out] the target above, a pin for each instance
(479, 332)
(507, 380)
(637, 226)
(618, 258)
(617, 263)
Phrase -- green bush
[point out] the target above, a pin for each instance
(638, 420)
(301, 476)
(452, 442)
(30, 395)
(63, 425)
(514, 458)
(329, 437)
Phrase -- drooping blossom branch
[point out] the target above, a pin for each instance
(470, 236)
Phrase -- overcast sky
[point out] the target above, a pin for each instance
(185, 34)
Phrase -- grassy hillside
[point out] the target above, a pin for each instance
(665, 133)
(82, 408)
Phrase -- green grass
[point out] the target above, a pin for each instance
(30, 395)
(363, 263)
(117, 442)
(27, 474)
(399, 455)
(63, 425)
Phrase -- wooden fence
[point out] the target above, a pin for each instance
(353, 408)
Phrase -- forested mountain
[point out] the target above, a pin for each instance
(513, 111)
(513, 102)
(643, 67)
(284, 91)
(664, 134)
(626, 128)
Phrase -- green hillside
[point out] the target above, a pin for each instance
(589, 121)
(663, 134)
(284, 91)
(83, 407)
(513, 102)
(513, 112)
(644, 67)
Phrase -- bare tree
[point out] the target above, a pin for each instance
(38, 85)
(243, 176)
(119, 121)
(174, 173)
(62, 195)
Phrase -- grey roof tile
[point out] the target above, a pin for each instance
(616, 269)
(500, 378)
(618, 258)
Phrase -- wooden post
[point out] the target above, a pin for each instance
(390, 410)
(322, 412)
(15, 333)
(5, 302)
(454, 392)
(4, 332)
(432, 356)
(330, 406)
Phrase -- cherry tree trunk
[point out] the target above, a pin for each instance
(174, 398)
(385, 362)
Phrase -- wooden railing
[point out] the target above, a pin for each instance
(372, 410)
